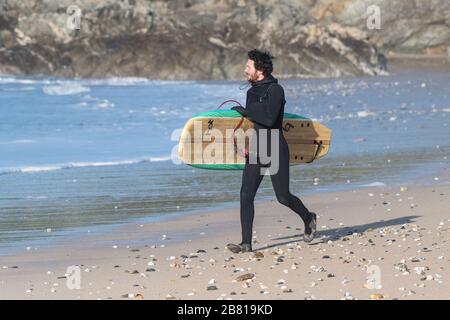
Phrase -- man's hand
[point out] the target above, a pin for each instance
(239, 109)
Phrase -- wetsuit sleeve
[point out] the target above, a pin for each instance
(266, 113)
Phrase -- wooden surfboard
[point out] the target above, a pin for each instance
(208, 140)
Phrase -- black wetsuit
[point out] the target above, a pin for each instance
(265, 108)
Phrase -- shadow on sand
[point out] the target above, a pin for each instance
(339, 233)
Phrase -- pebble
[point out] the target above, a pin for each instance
(258, 255)
(376, 296)
(246, 276)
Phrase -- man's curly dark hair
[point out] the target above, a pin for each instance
(263, 61)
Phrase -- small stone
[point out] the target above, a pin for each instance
(258, 255)
(209, 288)
(376, 296)
(246, 276)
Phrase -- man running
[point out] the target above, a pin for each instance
(265, 108)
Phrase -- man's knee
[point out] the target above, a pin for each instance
(284, 199)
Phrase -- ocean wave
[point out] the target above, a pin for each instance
(365, 113)
(104, 104)
(374, 184)
(131, 81)
(65, 89)
(17, 80)
(71, 165)
(20, 141)
(18, 89)
(113, 81)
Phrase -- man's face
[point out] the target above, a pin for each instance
(251, 73)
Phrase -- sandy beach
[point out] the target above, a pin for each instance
(401, 234)
(103, 195)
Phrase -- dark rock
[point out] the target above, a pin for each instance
(173, 40)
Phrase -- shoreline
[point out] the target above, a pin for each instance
(60, 237)
(358, 228)
(398, 61)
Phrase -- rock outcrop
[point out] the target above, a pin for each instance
(208, 39)
(407, 26)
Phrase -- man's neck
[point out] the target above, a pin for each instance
(261, 77)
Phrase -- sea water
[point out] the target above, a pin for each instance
(79, 154)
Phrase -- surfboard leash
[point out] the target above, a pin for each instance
(319, 147)
(228, 101)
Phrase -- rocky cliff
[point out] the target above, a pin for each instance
(208, 39)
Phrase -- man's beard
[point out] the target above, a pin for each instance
(253, 78)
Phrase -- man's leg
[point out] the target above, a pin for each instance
(280, 182)
(251, 179)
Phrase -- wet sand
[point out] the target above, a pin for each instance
(398, 236)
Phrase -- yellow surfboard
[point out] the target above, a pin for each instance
(209, 140)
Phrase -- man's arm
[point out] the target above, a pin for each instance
(264, 113)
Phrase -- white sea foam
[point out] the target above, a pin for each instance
(131, 81)
(65, 89)
(15, 89)
(365, 113)
(105, 104)
(113, 81)
(374, 184)
(20, 141)
(54, 167)
(14, 80)
(36, 197)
